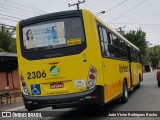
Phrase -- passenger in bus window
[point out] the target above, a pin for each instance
(29, 42)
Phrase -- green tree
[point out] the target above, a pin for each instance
(138, 38)
(7, 41)
(155, 56)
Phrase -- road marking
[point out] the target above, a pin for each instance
(16, 109)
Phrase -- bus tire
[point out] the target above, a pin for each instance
(139, 85)
(29, 110)
(124, 97)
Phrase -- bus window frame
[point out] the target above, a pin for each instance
(135, 53)
(109, 42)
(46, 52)
(24, 50)
(140, 58)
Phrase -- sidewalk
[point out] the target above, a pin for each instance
(13, 105)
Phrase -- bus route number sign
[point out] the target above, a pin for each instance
(37, 74)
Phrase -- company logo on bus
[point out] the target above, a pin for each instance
(54, 70)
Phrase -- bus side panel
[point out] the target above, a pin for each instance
(135, 73)
(93, 46)
(136, 70)
(114, 77)
(140, 71)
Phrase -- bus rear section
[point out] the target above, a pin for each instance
(57, 64)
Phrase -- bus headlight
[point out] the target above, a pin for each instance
(92, 76)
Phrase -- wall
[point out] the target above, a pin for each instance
(3, 82)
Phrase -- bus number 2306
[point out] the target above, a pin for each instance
(37, 74)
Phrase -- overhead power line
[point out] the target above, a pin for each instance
(9, 19)
(13, 13)
(8, 26)
(135, 23)
(128, 10)
(16, 11)
(10, 16)
(104, 10)
(94, 5)
(110, 8)
(94, 10)
(89, 8)
(25, 6)
(19, 9)
(153, 33)
(65, 1)
(116, 6)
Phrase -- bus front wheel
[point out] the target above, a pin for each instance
(124, 97)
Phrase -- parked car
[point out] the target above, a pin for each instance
(158, 78)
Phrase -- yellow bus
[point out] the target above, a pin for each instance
(73, 58)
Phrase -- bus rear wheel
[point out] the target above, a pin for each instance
(124, 97)
(139, 85)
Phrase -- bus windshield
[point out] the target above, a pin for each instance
(53, 34)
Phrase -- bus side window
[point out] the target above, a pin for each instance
(101, 39)
(106, 43)
(105, 35)
(129, 52)
(114, 46)
(110, 37)
(132, 54)
(122, 45)
(115, 40)
(123, 50)
(137, 56)
(100, 33)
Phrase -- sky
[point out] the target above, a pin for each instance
(128, 14)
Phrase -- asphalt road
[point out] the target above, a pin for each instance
(146, 98)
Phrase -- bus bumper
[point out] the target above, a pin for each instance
(94, 96)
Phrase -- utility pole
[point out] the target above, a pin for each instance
(77, 4)
(120, 30)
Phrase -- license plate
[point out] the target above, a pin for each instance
(56, 85)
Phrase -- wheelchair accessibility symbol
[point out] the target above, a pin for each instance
(35, 89)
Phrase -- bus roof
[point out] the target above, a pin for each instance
(111, 29)
(71, 12)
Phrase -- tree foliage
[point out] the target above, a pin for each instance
(7, 42)
(138, 38)
(154, 54)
